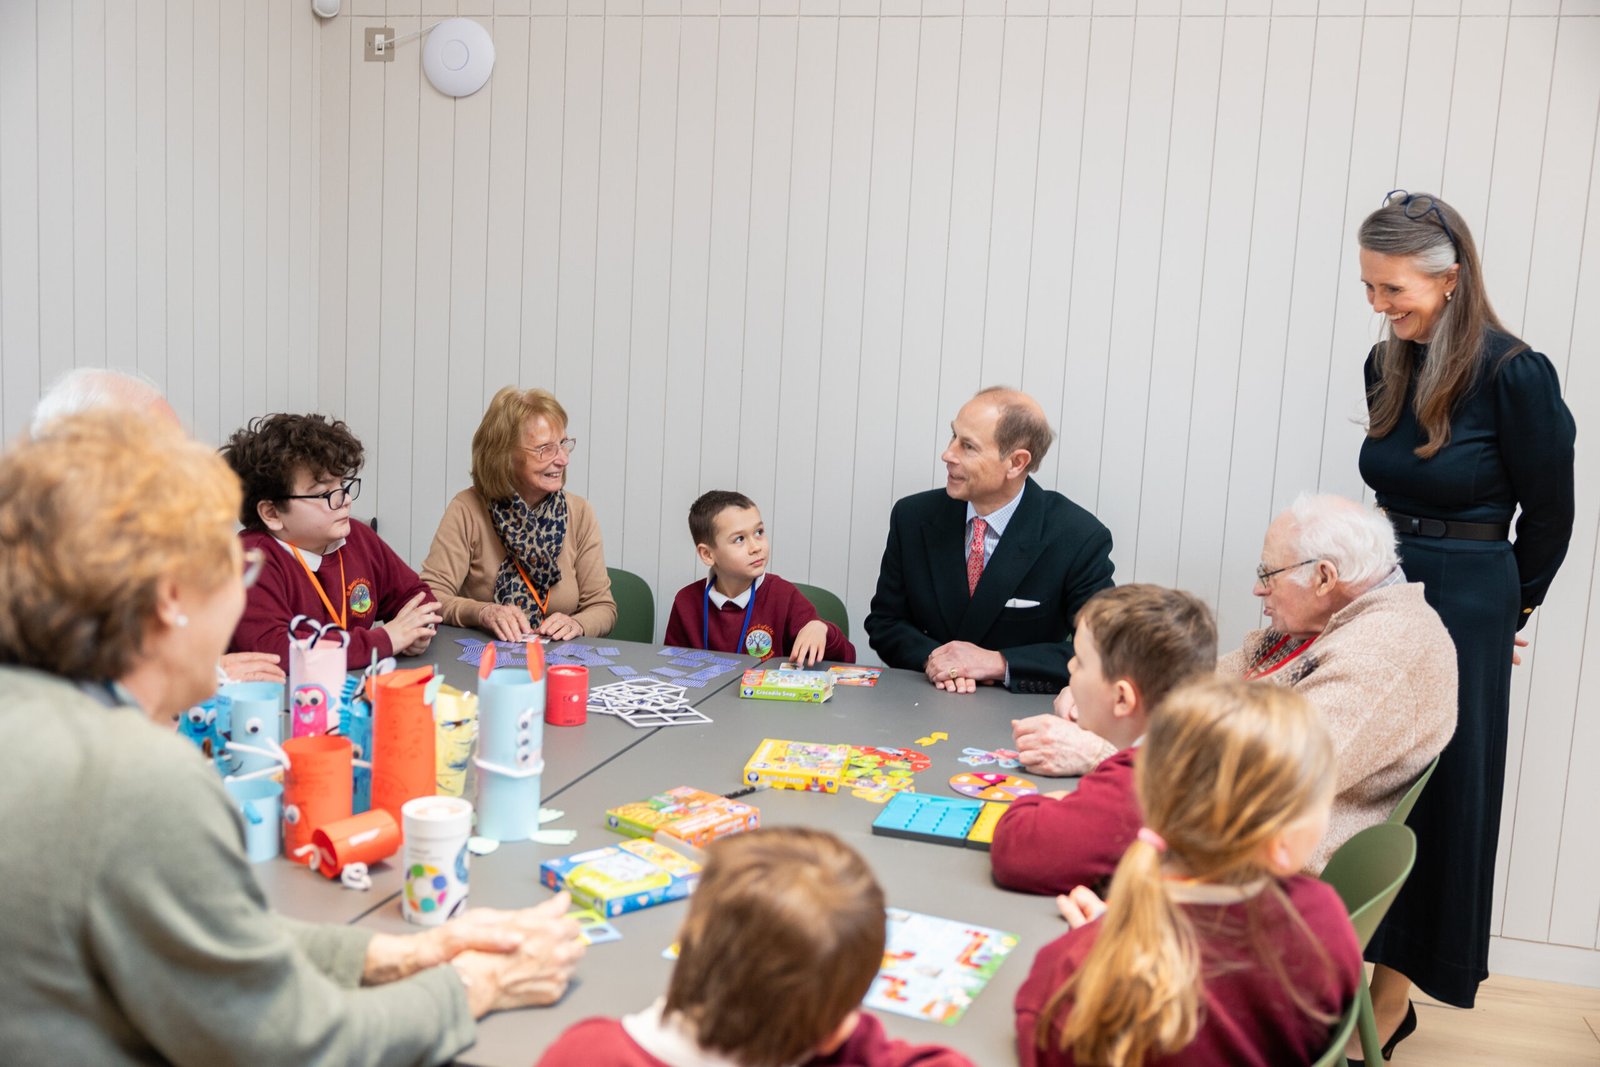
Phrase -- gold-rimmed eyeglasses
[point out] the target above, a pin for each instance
(544, 452)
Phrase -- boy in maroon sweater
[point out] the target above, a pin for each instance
(784, 938)
(299, 475)
(1134, 643)
(740, 608)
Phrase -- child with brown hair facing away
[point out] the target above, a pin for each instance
(739, 607)
(299, 475)
(1134, 644)
(784, 936)
(1214, 948)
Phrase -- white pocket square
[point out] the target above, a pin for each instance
(1018, 602)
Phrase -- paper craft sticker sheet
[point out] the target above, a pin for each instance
(934, 968)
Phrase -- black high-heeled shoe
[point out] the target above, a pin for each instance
(1407, 1027)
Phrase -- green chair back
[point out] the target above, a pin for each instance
(829, 606)
(636, 607)
(1402, 810)
(1335, 1057)
(1368, 871)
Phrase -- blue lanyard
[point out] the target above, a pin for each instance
(705, 617)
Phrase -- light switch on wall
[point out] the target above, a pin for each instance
(380, 44)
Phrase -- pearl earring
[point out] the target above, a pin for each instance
(180, 620)
(1451, 295)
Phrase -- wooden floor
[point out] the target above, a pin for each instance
(1518, 1022)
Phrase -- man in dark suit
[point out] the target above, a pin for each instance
(981, 579)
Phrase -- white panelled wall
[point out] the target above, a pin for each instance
(772, 245)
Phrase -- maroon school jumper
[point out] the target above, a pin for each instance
(1248, 1018)
(604, 1043)
(377, 584)
(779, 613)
(1046, 845)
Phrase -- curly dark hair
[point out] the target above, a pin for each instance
(268, 451)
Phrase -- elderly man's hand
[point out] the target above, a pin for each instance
(958, 666)
(1056, 747)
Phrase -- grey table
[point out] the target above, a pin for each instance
(570, 753)
(937, 879)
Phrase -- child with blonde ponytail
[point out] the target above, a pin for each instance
(1214, 948)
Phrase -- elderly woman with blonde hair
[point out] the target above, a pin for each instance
(134, 930)
(518, 554)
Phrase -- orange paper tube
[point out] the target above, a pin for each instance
(316, 787)
(365, 838)
(403, 752)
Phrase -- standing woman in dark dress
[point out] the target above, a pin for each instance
(1466, 424)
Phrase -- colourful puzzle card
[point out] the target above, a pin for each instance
(849, 675)
(685, 813)
(934, 968)
(816, 768)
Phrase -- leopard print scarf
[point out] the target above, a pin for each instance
(532, 536)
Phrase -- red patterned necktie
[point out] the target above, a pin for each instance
(975, 555)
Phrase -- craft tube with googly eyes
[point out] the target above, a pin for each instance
(510, 758)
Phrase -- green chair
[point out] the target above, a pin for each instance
(1402, 810)
(1335, 1057)
(828, 606)
(636, 607)
(1367, 873)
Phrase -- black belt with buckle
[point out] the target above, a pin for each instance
(1465, 531)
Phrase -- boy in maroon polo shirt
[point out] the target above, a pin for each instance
(1134, 644)
(299, 475)
(739, 607)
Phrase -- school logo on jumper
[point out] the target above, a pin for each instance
(360, 595)
(758, 642)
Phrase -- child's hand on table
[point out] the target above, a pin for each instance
(810, 643)
(1080, 906)
(415, 622)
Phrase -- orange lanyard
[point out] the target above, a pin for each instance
(341, 617)
(544, 605)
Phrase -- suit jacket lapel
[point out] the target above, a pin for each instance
(1016, 553)
(943, 537)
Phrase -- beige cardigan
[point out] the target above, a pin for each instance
(1383, 672)
(467, 553)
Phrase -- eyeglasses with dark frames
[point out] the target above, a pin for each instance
(1419, 206)
(1265, 576)
(544, 452)
(334, 498)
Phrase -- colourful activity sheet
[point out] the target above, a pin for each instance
(934, 968)
(864, 676)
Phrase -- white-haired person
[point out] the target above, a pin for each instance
(104, 389)
(1351, 634)
(140, 934)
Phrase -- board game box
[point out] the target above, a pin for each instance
(810, 687)
(816, 768)
(621, 878)
(685, 813)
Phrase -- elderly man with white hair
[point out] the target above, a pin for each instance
(94, 388)
(1352, 635)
